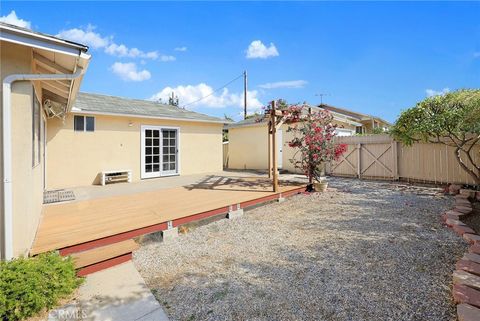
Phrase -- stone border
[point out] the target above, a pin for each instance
(466, 277)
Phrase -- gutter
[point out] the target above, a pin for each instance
(7, 149)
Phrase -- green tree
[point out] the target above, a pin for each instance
(452, 119)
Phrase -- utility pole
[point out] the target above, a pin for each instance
(245, 94)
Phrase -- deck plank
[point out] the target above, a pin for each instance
(73, 223)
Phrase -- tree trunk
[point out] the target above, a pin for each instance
(476, 177)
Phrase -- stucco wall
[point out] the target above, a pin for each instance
(77, 158)
(248, 147)
(27, 181)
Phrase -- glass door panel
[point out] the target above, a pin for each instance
(169, 152)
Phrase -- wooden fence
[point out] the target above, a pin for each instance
(380, 157)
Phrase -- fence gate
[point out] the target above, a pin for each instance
(367, 157)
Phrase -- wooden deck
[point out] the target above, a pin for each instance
(76, 223)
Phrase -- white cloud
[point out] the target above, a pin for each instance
(258, 50)
(123, 51)
(284, 84)
(87, 37)
(166, 58)
(183, 49)
(129, 72)
(12, 19)
(96, 41)
(432, 92)
(191, 93)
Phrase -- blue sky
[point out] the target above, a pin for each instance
(372, 57)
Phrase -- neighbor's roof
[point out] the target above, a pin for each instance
(88, 103)
(351, 113)
(259, 120)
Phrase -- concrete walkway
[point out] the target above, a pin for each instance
(115, 294)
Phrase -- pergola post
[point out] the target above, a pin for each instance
(269, 154)
(273, 117)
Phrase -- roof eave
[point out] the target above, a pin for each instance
(22, 36)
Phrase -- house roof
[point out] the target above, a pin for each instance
(351, 113)
(88, 103)
(259, 120)
(39, 40)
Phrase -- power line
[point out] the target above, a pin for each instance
(219, 88)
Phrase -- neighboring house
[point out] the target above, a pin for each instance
(368, 122)
(55, 137)
(248, 140)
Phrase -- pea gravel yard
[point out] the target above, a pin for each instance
(360, 251)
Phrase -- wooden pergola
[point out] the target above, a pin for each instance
(275, 121)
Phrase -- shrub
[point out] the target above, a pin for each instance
(28, 285)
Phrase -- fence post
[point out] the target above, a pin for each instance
(359, 162)
(395, 159)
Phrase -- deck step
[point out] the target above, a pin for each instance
(103, 253)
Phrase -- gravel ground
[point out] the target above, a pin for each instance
(360, 251)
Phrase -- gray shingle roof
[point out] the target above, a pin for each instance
(96, 103)
(258, 119)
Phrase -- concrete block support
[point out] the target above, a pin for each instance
(234, 213)
(169, 234)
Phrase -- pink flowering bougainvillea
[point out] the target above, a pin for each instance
(313, 139)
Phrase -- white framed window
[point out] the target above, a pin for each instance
(83, 123)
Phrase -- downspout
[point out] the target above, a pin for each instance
(7, 149)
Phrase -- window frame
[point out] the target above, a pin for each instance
(84, 130)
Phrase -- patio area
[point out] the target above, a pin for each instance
(122, 211)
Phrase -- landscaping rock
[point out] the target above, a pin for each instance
(475, 248)
(454, 189)
(455, 213)
(470, 193)
(471, 238)
(464, 294)
(466, 312)
(478, 196)
(451, 222)
(469, 266)
(460, 196)
(463, 209)
(463, 202)
(462, 229)
(465, 278)
(472, 257)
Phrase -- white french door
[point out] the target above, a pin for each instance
(159, 154)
